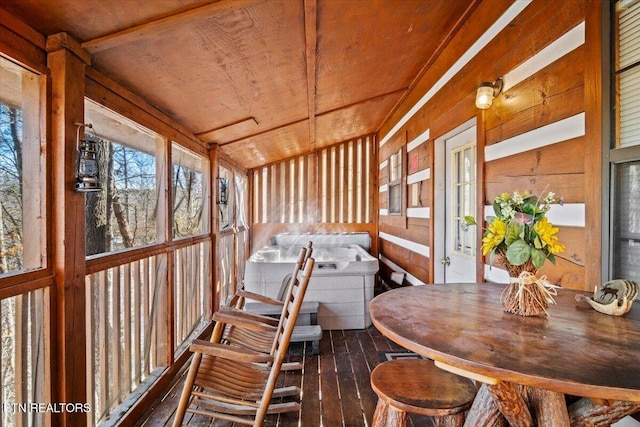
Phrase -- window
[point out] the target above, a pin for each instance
(395, 183)
(626, 231)
(241, 201)
(624, 155)
(22, 166)
(24, 365)
(627, 74)
(189, 200)
(124, 214)
(464, 198)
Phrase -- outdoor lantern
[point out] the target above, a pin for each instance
(87, 171)
(486, 92)
(223, 191)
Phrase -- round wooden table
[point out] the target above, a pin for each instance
(527, 364)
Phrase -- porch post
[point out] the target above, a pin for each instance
(67, 61)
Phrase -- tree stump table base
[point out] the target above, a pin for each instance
(509, 404)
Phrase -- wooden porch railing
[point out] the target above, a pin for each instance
(128, 321)
(23, 371)
(192, 291)
(126, 328)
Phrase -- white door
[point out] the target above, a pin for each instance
(455, 180)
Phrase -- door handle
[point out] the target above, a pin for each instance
(445, 261)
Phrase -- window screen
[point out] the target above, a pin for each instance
(626, 227)
(625, 180)
(627, 75)
(22, 171)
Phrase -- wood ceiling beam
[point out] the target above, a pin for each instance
(152, 28)
(311, 54)
(344, 107)
(258, 133)
(362, 101)
(228, 125)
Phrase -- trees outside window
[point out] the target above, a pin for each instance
(24, 339)
(189, 173)
(124, 213)
(22, 178)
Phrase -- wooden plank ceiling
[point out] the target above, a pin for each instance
(263, 79)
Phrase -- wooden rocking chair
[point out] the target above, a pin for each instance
(236, 383)
(254, 338)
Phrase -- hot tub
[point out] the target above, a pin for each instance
(342, 280)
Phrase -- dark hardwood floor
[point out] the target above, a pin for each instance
(335, 385)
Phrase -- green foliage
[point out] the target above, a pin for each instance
(515, 232)
(518, 252)
(521, 230)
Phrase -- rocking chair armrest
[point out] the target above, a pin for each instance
(259, 298)
(229, 352)
(249, 315)
(242, 321)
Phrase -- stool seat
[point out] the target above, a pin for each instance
(417, 386)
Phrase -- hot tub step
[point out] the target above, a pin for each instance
(311, 333)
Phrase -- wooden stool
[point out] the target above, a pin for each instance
(417, 386)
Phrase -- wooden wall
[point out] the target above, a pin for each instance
(327, 191)
(542, 132)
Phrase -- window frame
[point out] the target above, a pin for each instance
(613, 156)
(157, 147)
(395, 182)
(32, 286)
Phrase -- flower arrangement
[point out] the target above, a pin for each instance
(520, 234)
(521, 238)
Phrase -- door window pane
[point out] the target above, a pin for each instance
(464, 167)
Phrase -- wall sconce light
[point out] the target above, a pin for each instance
(223, 191)
(486, 92)
(87, 170)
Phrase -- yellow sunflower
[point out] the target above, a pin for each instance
(494, 235)
(547, 233)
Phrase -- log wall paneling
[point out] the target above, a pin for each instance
(553, 91)
(413, 263)
(547, 167)
(409, 114)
